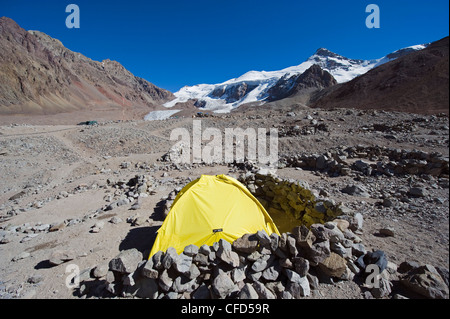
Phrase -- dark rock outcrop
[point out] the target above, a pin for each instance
(314, 78)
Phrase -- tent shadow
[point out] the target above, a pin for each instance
(141, 238)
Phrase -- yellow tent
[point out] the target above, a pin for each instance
(211, 208)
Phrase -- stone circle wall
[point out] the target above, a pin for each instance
(252, 267)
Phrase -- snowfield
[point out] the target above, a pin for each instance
(160, 115)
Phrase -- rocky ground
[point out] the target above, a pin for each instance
(79, 195)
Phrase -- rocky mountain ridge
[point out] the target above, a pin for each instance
(41, 76)
(416, 81)
(312, 79)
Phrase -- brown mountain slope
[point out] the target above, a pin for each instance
(417, 82)
(40, 76)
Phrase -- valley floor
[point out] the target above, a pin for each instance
(56, 181)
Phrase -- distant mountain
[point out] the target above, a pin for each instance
(264, 86)
(41, 76)
(416, 82)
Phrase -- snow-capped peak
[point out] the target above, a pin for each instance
(326, 53)
(253, 86)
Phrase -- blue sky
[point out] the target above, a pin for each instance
(173, 43)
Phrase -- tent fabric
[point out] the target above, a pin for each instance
(211, 208)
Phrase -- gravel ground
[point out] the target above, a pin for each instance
(61, 174)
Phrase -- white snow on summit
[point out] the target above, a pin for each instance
(253, 85)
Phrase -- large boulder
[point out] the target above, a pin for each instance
(223, 286)
(226, 254)
(426, 281)
(169, 257)
(303, 236)
(262, 291)
(248, 243)
(126, 261)
(182, 263)
(356, 190)
(333, 266)
(297, 286)
(143, 288)
(58, 257)
(318, 252)
(149, 271)
(248, 292)
(165, 282)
